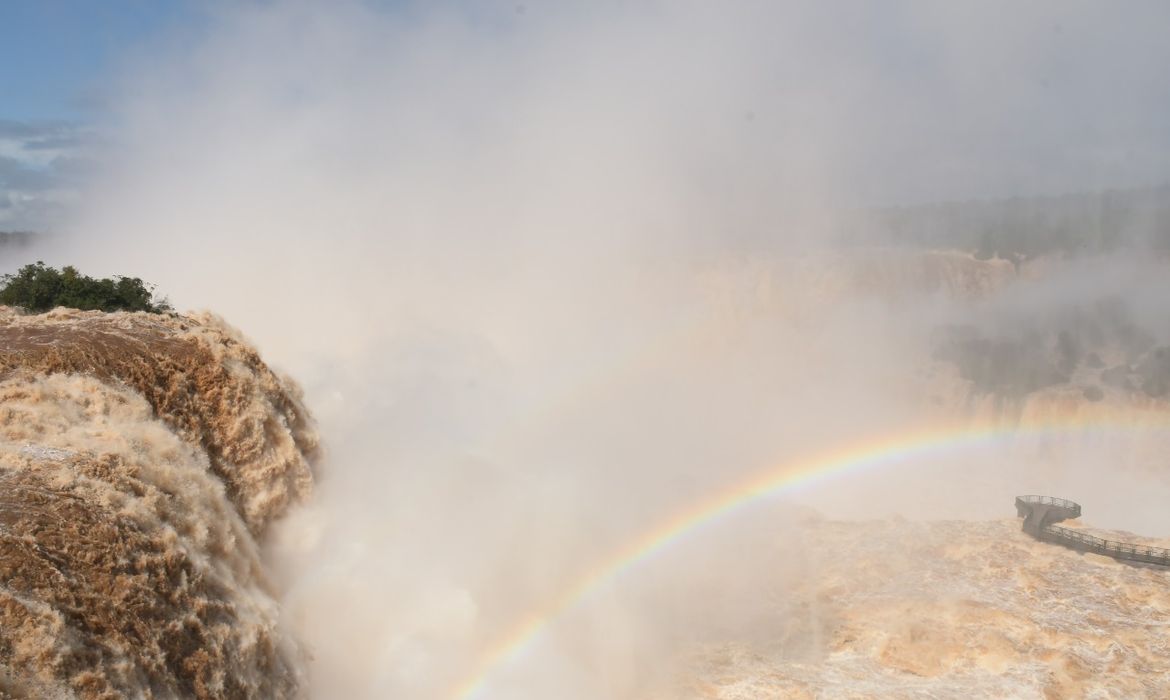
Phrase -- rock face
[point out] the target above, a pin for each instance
(140, 459)
(950, 610)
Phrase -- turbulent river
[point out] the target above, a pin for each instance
(141, 458)
(161, 506)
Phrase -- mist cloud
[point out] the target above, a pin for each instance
(541, 272)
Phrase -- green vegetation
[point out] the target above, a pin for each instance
(39, 288)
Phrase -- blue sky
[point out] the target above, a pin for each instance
(54, 54)
(900, 101)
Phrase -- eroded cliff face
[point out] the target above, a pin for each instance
(140, 458)
(807, 286)
(900, 609)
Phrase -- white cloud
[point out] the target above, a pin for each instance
(39, 173)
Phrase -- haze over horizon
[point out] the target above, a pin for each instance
(970, 101)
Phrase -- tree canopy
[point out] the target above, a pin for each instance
(39, 288)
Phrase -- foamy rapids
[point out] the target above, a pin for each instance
(141, 458)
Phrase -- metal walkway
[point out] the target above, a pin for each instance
(1041, 513)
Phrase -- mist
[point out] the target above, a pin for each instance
(552, 273)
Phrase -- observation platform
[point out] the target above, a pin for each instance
(1042, 513)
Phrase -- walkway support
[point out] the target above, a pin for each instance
(1041, 511)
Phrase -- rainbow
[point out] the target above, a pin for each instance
(777, 480)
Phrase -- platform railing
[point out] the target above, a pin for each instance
(1051, 501)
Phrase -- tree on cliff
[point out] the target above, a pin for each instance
(40, 288)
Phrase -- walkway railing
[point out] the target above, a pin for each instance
(1110, 548)
(1082, 542)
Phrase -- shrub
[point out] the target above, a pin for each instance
(40, 288)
